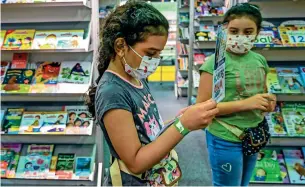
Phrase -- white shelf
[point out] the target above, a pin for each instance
(215, 19)
(44, 182)
(204, 44)
(44, 5)
(282, 53)
(287, 141)
(48, 51)
(43, 97)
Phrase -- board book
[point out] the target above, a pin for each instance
(18, 39)
(293, 36)
(17, 80)
(267, 168)
(75, 72)
(290, 80)
(268, 37)
(12, 120)
(273, 84)
(276, 124)
(284, 171)
(31, 123)
(10, 153)
(65, 165)
(294, 117)
(295, 165)
(4, 67)
(19, 61)
(2, 37)
(46, 72)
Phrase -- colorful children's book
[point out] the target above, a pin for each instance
(267, 168)
(17, 80)
(276, 124)
(65, 165)
(2, 37)
(79, 120)
(302, 73)
(54, 123)
(45, 40)
(18, 39)
(75, 72)
(268, 37)
(294, 117)
(295, 165)
(2, 115)
(19, 61)
(43, 88)
(31, 123)
(46, 73)
(38, 160)
(284, 171)
(290, 80)
(293, 36)
(4, 67)
(272, 81)
(12, 120)
(10, 153)
(83, 167)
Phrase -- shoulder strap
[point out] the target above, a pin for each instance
(236, 131)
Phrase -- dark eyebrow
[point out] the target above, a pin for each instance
(155, 49)
(249, 28)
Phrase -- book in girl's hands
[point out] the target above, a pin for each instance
(276, 124)
(290, 80)
(10, 153)
(267, 168)
(2, 37)
(12, 120)
(19, 61)
(65, 165)
(79, 120)
(295, 165)
(38, 160)
(268, 37)
(83, 167)
(31, 123)
(75, 72)
(17, 80)
(4, 67)
(284, 171)
(293, 36)
(294, 117)
(18, 39)
(46, 72)
(272, 81)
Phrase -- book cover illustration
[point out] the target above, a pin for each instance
(295, 165)
(267, 168)
(83, 167)
(2, 115)
(37, 161)
(75, 72)
(31, 123)
(47, 73)
(18, 39)
(4, 67)
(18, 80)
(12, 120)
(65, 165)
(54, 123)
(79, 120)
(45, 39)
(284, 171)
(2, 37)
(70, 39)
(294, 117)
(290, 80)
(293, 36)
(268, 37)
(302, 73)
(10, 153)
(276, 124)
(19, 61)
(273, 84)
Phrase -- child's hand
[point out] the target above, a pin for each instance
(272, 103)
(259, 102)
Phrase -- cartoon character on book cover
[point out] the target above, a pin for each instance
(45, 40)
(10, 153)
(12, 120)
(75, 72)
(276, 124)
(79, 120)
(47, 73)
(54, 123)
(18, 39)
(268, 37)
(290, 80)
(31, 122)
(295, 165)
(272, 82)
(70, 39)
(4, 67)
(284, 171)
(18, 80)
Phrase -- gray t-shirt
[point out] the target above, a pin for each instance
(114, 92)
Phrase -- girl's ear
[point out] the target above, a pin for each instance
(120, 47)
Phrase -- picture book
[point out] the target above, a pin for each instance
(75, 72)
(293, 36)
(290, 80)
(65, 165)
(267, 168)
(12, 120)
(2, 115)
(18, 39)
(17, 80)
(43, 88)
(70, 39)
(79, 120)
(31, 123)
(9, 159)
(295, 165)
(46, 73)
(4, 67)
(268, 37)
(45, 39)
(273, 84)
(2, 37)
(284, 171)
(52, 169)
(302, 73)
(19, 61)
(83, 167)
(54, 123)
(37, 161)
(276, 124)
(294, 117)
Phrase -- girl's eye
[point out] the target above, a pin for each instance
(234, 31)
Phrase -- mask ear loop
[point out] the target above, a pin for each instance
(135, 51)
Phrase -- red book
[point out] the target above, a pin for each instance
(19, 61)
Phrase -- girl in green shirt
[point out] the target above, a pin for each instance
(245, 98)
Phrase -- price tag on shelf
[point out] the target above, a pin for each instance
(218, 93)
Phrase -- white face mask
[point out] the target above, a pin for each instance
(240, 44)
(147, 66)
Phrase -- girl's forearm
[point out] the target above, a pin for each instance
(226, 108)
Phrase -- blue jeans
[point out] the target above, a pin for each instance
(229, 166)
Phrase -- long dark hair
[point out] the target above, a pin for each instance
(134, 21)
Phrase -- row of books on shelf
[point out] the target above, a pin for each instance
(19, 76)
(286, 80)
(184, 33)
(40, 162)
(182, 48)
(36, 1)
(71, 120)
(280, 166)
(183, 63)
(41, 39)
(209, 8)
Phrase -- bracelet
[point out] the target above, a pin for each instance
(180, 128)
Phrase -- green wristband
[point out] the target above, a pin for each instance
(180, 128)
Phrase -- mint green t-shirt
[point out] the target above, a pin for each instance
(245, 77)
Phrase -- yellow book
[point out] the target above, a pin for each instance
(18, 39)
